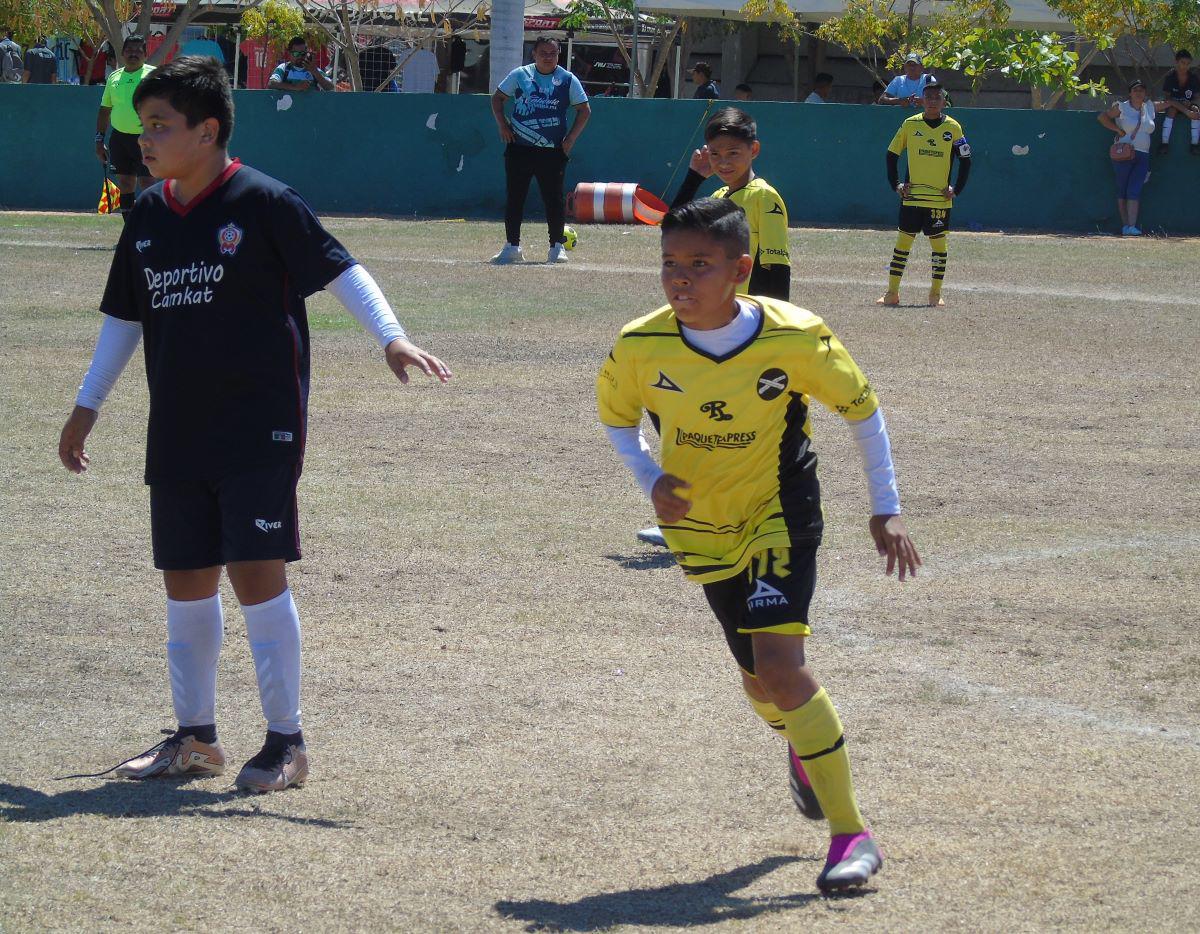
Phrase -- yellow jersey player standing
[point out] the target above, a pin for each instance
(730, 147)
(932, 141)
(728, 381)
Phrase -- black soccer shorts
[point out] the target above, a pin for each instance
(125, 154)
(933, 222)
(249, 516)
(771, 595)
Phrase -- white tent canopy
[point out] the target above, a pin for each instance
(1026, 14)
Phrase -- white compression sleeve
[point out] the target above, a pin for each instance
(870, 434)
(115, 345)
(630, 443)
(360, 295)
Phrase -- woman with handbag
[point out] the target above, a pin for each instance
(1133, 122)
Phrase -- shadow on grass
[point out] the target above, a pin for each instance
(681, 904)
(658, 559)
(158, 798)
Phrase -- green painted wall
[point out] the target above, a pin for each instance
(389, 154)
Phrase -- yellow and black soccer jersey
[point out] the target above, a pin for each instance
(736, 427)
(767, 216)
(931, 152)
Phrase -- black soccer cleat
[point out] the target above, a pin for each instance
(802, 794)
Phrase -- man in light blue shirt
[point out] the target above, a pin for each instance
(538, 142)
(905, 90)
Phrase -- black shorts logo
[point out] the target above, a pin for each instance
(771, 384)
(716, 411)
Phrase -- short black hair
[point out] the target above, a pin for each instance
(823, 77)
(195, 85)
(135, 39)
(704, 68)
(297, 40)
(729, 121)
(744, 87)
(1183, 53)
(718, 218)
(546, 40)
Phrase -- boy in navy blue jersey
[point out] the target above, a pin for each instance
(212, 271)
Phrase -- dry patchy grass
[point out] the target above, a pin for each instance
(521, 719)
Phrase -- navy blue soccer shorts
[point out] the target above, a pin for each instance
(248, 516)
(771, 595)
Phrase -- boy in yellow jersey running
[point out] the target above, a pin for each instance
(728, 381)
(731, 146)
(932, 142)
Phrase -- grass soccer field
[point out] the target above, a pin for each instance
(521, 719)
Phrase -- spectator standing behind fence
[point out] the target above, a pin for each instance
(706, 88)
(12, 62)
(538, 143)
(117, 111)
(1182, 89)
(743, 92)
(40, 65)
(822, 89)
(1133, 122)
(299, 71)
(905, 90)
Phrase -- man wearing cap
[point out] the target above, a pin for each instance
(116, 110)
(905, 90)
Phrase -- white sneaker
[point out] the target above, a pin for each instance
(557, 254)
(510, 254)
(652, 536)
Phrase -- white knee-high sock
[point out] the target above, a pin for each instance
(194, 632)
(1168, 122)
(274, 632)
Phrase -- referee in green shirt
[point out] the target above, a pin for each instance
(116, 110)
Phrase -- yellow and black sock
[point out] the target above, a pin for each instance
(900, 251)
(938, 246)
(768, 711)
(815, 732)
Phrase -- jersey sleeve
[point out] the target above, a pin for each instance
(893, 88)
(577, 94)
(107, 99)
(509, 84)
(831, 376)
(280, 71)
(773, 231)
(312, 256)
(900, 140)
(120, 297)
(617, 397)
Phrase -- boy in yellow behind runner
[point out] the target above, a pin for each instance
(728, 381)
(932, 142)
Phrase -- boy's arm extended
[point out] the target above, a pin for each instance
(359, 294)
(115, 345)
(887, 528)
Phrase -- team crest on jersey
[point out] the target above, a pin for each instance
(229, 238)
(948, 136)
(775, 209)
(771, 384)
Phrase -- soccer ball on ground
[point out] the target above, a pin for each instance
(570, 238)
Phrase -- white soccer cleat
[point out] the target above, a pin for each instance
(557, 254)
(652, 536)
(510, 254)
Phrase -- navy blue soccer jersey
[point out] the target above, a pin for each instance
(219, 285)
